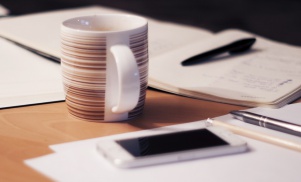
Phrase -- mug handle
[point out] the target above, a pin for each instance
(128, 79)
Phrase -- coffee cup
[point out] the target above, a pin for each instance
(104, 60)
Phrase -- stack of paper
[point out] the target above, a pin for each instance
(79, 161)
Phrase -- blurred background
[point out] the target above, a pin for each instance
(275, 19)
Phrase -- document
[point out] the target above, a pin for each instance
(79, 161)
(26, 78)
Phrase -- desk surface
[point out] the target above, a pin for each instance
(26, 132)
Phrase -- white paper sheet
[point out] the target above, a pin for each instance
(79, 161)
(257, 165)
(26, 78)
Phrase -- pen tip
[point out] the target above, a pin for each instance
(234, 112)
(237, 114)
(187, 63)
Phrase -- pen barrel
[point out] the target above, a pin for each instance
(273, 124)
(294, 145)
(283, 127)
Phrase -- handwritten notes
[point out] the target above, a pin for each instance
(269, 74)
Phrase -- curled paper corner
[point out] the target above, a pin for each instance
(3, 11)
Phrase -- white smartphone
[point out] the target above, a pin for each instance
(171, 147)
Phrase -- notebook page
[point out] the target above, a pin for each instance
(266, 73)
(163, 36)
(26, 78)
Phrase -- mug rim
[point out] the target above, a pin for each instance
(85, 32)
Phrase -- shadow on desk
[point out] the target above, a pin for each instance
(165, 109)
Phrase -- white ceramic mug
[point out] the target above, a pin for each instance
(104, 60)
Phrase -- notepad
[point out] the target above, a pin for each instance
(268, 75)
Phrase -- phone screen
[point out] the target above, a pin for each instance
(172, 142)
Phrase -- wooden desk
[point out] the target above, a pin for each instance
(26, 132)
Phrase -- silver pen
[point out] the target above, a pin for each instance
(267, 122)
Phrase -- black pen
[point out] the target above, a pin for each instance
(267, 122)
(233, 47)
